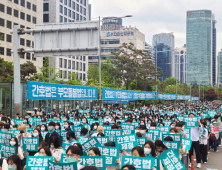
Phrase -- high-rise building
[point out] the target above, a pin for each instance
(23, 13)
(201, 47)
(180, 64)
(63, 11)
(167, 39)
(214, 48)
(111, 23)
(151, 52)
(162, 59)
(219, 69)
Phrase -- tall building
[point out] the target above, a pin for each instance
(219, 69)
(201, 47)
(111, 23)
(111, 40)
(214, 51)
(23, 13)
(151, 52)
(62, 11)
(162, 59)
(179, 57)
(167, 39)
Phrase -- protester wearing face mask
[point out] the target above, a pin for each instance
(57, 127)
(160, 147)
(66, 126)
(14, 142)
(107, 118)
(99, 130)
(56, 149)
(70, 136)
(85, 123)
(5, 128)
(203, 142)
(179, 130)
(14, 163)
(36, 133)
(73, 154)
(52, 132)
(214, 135)
(44, 127)
(153, 125)
(149, 149)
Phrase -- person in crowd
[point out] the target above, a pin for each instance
(14, 142)
(44, 127)
(94, 152)
(73, 154)
(52, 132)
(149, 149)
(56, 148)
(99, 130)
(214, 135)
(203, 138)
(130, 167)
(70, 136)
(14, 163)
(159, 147)
(44, 151)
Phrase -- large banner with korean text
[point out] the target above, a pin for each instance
(165, 96)
(49, 91)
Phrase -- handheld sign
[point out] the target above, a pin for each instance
(30, 144)
(38, 162)
(126, 142)
(187, 143)
(112, 134)
(191, 121)
(97, 161)
(111, 154)
(62, 166)
(65, 146)
(5, 138)
(7, 151)
(102, 140)
(93, 142)
(82, 140)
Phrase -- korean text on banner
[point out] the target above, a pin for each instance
(39, 162)
(191, 121)
(126, 142)
(62, 166)
(111, 154)
(93, 142)
(7, 151)
(97, 161)
(170, 161)
(49, 91)
(139, 163)
(30, 144)
(5, 138)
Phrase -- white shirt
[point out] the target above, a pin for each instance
(107, 120)
(195, 133)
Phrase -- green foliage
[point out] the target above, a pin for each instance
(27, 69)
(6, 70)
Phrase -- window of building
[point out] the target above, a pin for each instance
(81, 9)
(73, 65)
(61, 9)
(80, 76)
(65, 2)
(45, 17)
(9, 24)
(80, 18)
(15, 13)
(77, 17)
(28, 5)
(46, 7)
(65, 11)
(22, 56)
(2, 8)
(84, 2)
(2, 51)
(69, 75)
(80, 1)
(69, 3)
(77, 57)
(65, 74)
(77, 0)
(77, 76)
(84, 67)
(34, 20)
(69, 13)
(65, 19)
(28, 56)
(33, 57)
(73, 5)
(2, 36)
(28, 29)
(2, 22)
(34, 7)
(73, 57)
(77, 65)
(28, 17)
(22, 26)
(16, 2)
(69, 64)
(9, 10)
(60, 62)
(22, 15)
(22, 3)
(60, 19)
(8, 52)
(16, 24)
(80, 66)
(84, 58)
(60, 73)
(28, 43)
(84, 18)
(77, 7)
(61, 1)
(84, 11)
(65, 63)
(73, 15)
(9, 38)
(22, 41)
(80, 57)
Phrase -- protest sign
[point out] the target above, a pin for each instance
(176, 137)
(191, 121)
(93, 142)
(141, 141)
(170, 161)
(62, 166)
(63, 158)
(128, 129)
(111, 154)
(97, 161)
(7, 151)
(5, 138)
(187, 143)
(65, 146)
(102, 140)
(14, 132)
(77, 129)
(112, 134)
(126, 142)
(156, 134)
(63, 135)
(30, 143)
(172, 144)
(82, 140)
(38, 162)
(140, 163)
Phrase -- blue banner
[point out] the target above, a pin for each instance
(49, 91)
(195, 99)
(183, 97)
(165, 96)
(115, 94)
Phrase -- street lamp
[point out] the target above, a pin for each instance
(100, 90)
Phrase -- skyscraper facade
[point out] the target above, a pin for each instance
(214, 52)
(162, 60)
(219, 69)
(200, 47)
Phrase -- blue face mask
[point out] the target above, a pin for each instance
(50, 128)
(4, 131)
(41, 155)
(10, 167)
(70, 159)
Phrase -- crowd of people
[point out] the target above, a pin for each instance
(205, 137)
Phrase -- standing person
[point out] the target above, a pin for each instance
(195, 142)
(203, 142)
(56, 149)
(214, 135)
(52, 132)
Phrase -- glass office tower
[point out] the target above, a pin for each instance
(219, 69)
(199, 37)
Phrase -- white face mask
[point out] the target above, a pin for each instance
(171, 126)
(152, 127)
(142, 132)
(141, 123)
(57, 127)
(35, 134)
(66, 126)
(137, 131)
(12, 143)
(147, 151)
(95, 127)
(83, 121)
(42, 129)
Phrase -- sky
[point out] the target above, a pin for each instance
(158, 16)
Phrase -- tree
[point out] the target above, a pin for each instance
(6, 70)
(211, 95)
(27, 69)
